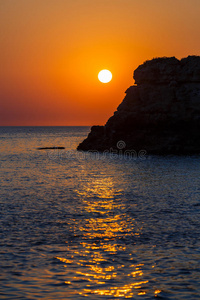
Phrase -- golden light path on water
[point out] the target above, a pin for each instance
(100, 260)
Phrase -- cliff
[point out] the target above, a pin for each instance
(159, 114)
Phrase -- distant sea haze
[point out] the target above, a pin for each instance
(77, 225)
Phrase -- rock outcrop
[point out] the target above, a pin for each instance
(159, 114)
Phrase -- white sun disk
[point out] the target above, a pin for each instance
(105, 76)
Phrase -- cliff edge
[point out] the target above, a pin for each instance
(160, 112)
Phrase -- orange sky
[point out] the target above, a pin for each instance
(52, 50)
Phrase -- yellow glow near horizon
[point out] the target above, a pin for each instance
(105, 76)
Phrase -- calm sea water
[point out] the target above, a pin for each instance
(76, 225)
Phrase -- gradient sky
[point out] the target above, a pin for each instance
(52, 50)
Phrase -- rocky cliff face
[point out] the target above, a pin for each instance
(159, 114)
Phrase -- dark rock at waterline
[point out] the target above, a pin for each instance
(54, 148)
(159, 114)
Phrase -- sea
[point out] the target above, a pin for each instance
(82, 225)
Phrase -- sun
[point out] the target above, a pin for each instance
(105, 76)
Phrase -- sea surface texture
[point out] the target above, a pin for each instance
(79, 225)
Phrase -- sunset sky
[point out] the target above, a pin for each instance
(52, 50)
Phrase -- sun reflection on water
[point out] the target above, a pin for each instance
(102, 187)
(102, 261)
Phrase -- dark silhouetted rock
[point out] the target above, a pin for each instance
(159, 114)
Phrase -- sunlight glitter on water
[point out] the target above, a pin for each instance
(98, 257)
(96, 275)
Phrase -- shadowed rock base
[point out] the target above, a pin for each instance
(159, 114)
